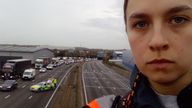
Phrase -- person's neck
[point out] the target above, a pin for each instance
(172, 88)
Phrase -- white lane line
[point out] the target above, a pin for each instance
(30, 97)
(107, 87)
(23, 86)
(84, 89)
(7, 96)
(58, 86)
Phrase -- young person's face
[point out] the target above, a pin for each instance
(160, 36)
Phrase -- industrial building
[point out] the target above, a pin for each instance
(31, 52)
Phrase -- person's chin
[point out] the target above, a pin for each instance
(165, 80)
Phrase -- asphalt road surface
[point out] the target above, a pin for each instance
(97, 80)
(22, 97)
(100, 80)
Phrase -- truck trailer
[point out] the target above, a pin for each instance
(42, 62)
(13, 69)
(3, 60)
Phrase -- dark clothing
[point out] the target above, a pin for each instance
(133, 74)
(184, 98)
(145, 97)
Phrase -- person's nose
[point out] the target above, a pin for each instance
(158, 41)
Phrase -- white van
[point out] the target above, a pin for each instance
(29, 74)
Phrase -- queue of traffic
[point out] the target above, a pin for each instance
(15, 69)
(10, 83)
(23, 69)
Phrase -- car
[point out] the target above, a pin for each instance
(8, 85)
(49, 67)
(42, 70)
(55, 65)
(43, 86)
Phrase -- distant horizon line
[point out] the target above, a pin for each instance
(57, 46)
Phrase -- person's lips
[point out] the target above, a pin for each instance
(160, 63)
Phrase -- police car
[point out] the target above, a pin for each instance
(42, 86)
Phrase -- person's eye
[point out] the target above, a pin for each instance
(140, 25)
(178, 20)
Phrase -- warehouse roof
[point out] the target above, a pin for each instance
(20, 48)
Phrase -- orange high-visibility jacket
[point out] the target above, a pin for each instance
(102, 102)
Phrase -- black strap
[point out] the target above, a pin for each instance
(86, 106)
(116, 102)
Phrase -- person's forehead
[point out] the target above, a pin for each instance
(156, 1)
(155, 5)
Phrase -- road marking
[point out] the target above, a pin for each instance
(23, 86)
(30, 97)
(69, 70)
(99, 78)
(7, 96)
(122, 88)
(84, 89)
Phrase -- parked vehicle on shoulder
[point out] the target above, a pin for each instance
(8, 85)
(43, 70)
(29, 74)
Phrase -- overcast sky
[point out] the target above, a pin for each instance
(80, 23)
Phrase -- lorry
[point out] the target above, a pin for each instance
(29, 74)
(3, 60)
(13, 69)
(42, 62)
(55, 61)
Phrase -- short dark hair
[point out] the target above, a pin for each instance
(125, 8)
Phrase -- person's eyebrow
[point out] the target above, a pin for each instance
(178, 9)
(137, 15)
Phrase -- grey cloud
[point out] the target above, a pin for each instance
(59, 22)
(114, 24)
